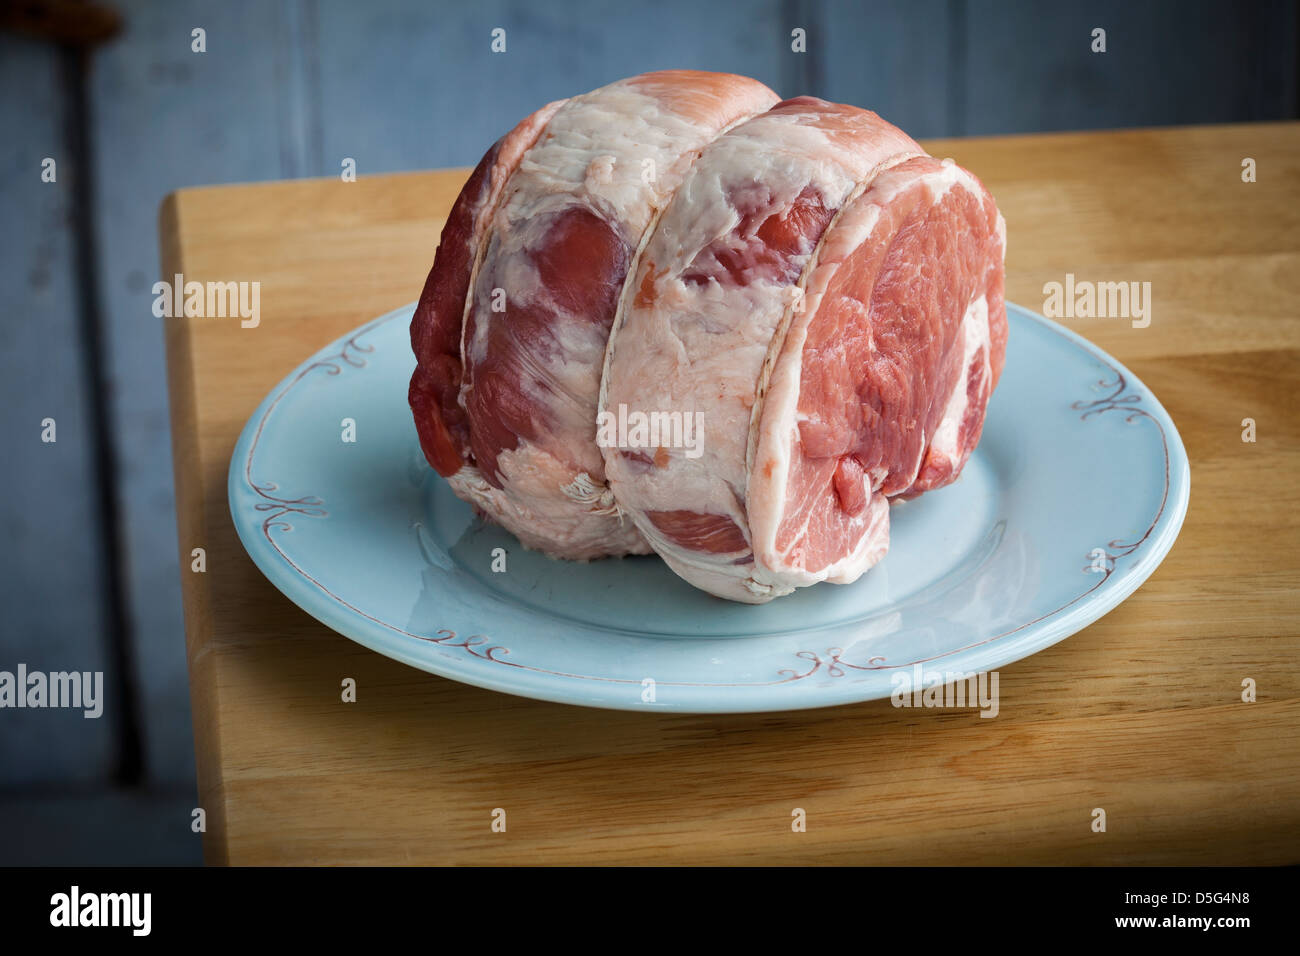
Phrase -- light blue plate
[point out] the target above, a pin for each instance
(1075, 494)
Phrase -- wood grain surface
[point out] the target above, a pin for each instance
(1140, 714)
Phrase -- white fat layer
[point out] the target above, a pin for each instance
(975, 336)
(540, 519)
(513, 148)
(700, 347)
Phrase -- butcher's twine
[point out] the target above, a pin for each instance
(599, 499)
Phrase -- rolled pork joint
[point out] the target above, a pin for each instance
(826, 300)
(511, 330)
(799, 279)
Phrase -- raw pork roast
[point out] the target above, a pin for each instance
(799, 278)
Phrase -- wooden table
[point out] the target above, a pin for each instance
(1140, 714)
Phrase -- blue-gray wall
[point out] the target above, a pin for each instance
(289, 89)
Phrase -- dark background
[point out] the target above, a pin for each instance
(89, 578)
